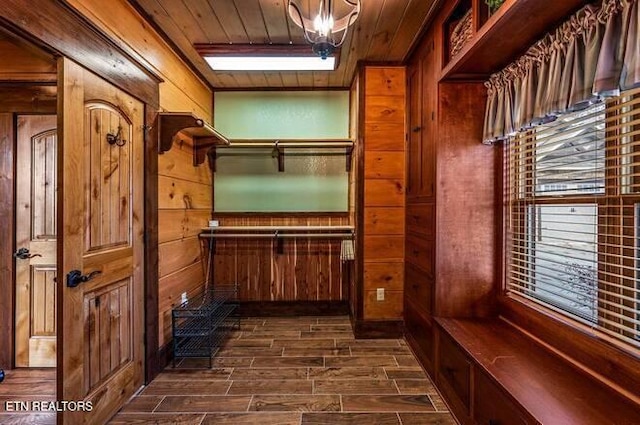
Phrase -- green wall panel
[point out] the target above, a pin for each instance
(282, 115)
(313, 181)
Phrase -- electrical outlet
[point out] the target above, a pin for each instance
(183, 298)
(380, 294)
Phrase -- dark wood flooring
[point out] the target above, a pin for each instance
(294, 371)
(26, 385)
(285, 371)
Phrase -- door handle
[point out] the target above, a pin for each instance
(75, 277)
(24, 254)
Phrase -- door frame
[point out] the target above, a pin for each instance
(120, 69)
(31, 100)
(7, 227)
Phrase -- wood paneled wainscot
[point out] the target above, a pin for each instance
(300, 270)
(382, 131)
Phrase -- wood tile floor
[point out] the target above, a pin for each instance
(294, 371)
(27, 385)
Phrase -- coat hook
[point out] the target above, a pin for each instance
(116, 139)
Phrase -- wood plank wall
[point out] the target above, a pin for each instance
(181, 90)
(383, 129)
(305, 270)
(184, 208)
(184, 191)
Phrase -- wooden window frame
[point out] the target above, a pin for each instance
(614, 222)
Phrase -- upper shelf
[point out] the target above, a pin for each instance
(509, 32)
(290, 143)
(203, 134)
(278, 147)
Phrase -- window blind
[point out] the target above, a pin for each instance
(572, 198)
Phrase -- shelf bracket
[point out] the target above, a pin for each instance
(279, 153)
(201, 148)
(279, 244)
(212, 156)
(349, 159)
(204, 135)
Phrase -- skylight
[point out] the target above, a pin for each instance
(270, 63)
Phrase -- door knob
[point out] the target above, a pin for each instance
(75, 277)
(24, 254)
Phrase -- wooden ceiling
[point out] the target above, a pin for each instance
(385, 32)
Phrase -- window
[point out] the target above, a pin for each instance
(572, 197)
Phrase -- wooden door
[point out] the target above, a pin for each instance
(35, 341)
(101, 323)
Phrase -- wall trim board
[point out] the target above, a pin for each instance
(359, 201)
(422, 357)
(57, 27)
(7, 227)
(165, 355)
(377, 329)
(293, 308)
(153, 363)
(31, 98)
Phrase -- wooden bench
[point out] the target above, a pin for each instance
(493, 374)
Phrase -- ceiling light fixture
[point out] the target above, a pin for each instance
(325, 33)
(269, 63)
(269, 57)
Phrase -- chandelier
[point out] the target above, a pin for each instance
(325, 33)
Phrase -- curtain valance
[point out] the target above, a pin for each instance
(594, 54)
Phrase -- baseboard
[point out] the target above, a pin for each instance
(165, 355)
(423, 359)
(292, 308)
(372, 329)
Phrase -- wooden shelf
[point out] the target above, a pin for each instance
(278, 147)
(203, 134)
(508, 33)
(279, 233)
(279, 229)
(456, 17)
